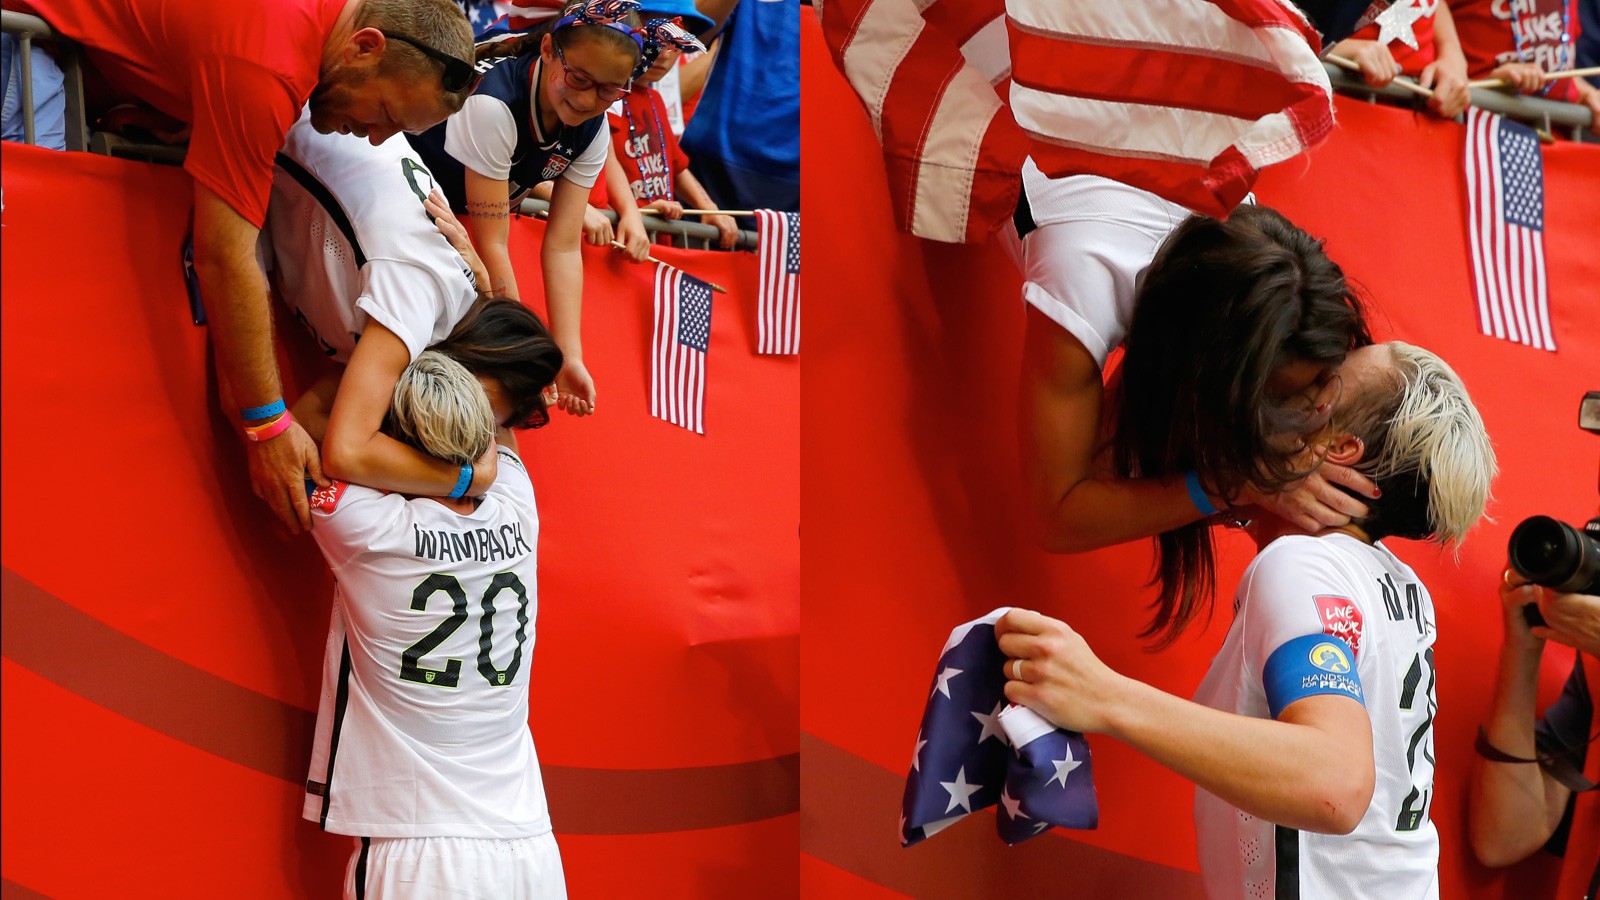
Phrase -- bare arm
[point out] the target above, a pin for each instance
(489, 221)
(692, 75)
(630, 224)
(563, 293)
(236, 288)
(1513, 808)
(356, 449)
(1311, 768)
(1447, 74)
(1077, 508)
(690, 189)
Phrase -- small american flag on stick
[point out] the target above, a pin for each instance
(1505, 229)
(778, 300)
(679, 343)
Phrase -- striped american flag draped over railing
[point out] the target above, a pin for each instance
(1188, 99)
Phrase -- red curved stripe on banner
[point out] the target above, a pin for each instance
(957, 863)
(82, 654)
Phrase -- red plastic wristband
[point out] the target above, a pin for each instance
(270, 430)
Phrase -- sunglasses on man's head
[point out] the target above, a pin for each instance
(459, 76)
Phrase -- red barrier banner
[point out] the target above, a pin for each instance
(162, 637)
(915, 520)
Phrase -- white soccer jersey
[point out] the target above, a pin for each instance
(350, 242)
(1335, 585)
(1081, 265)
(422, 729)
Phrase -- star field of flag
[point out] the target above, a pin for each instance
(1522, 174)
(679, 344)
(694, 326)
(974, 750)
(791, 256)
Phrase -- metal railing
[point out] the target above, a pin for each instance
(695, 235)
(28, 29)
(1575, 120)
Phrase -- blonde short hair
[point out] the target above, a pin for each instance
(440, 408)
(1424, 436)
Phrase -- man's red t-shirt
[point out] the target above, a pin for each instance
(650, 156)
(1489, 28)
(238, 72)
(1411, 62)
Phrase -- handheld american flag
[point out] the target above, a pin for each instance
(973, 751)
(679, 344)
(1505, 229)
(778, 300)
(1187, 99)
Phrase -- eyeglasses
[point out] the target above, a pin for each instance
(578, 81)
(459, 76)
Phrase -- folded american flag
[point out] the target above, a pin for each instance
(678, 346)
(778, 297)
(1187, 99)
(974, 750)
(1505, 229)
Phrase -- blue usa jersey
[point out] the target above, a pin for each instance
(516, 149)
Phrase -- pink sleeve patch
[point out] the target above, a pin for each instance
(1340, 618)
(327, 498)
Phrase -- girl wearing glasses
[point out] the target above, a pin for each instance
(538, 115)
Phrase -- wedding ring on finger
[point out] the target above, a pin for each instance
(1016, 669)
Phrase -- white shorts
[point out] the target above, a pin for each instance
(455, 868)
(1081, 264)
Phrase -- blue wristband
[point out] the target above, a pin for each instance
(257, 413)
(1197, 496)
(462, 483)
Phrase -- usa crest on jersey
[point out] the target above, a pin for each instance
(555, 167)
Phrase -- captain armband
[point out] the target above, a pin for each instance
(1307, 666)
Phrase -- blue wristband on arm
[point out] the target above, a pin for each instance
(462, 483)
(1310, 665)
(1197, 496)
(257, 413)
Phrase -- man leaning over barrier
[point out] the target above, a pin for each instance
(239, 74)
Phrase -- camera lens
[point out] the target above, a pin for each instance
(1554, 554)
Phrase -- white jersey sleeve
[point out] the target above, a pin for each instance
(352, 242)
(586, 169)
(1283, 595)
(404, 298)
(483, 136)
(346, 517)
(1094, 238)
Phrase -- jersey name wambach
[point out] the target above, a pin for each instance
(422, 728)
(1332, 587)
(351, 243)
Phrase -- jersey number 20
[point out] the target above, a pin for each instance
(450, 675)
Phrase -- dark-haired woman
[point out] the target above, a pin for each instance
(538, 115)
(358, 237)
(1261, 316)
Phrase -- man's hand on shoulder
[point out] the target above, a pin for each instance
(278, 471)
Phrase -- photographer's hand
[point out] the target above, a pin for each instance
(1574, 620)
(1515, 594)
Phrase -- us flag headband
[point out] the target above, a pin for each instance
(651, 38)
